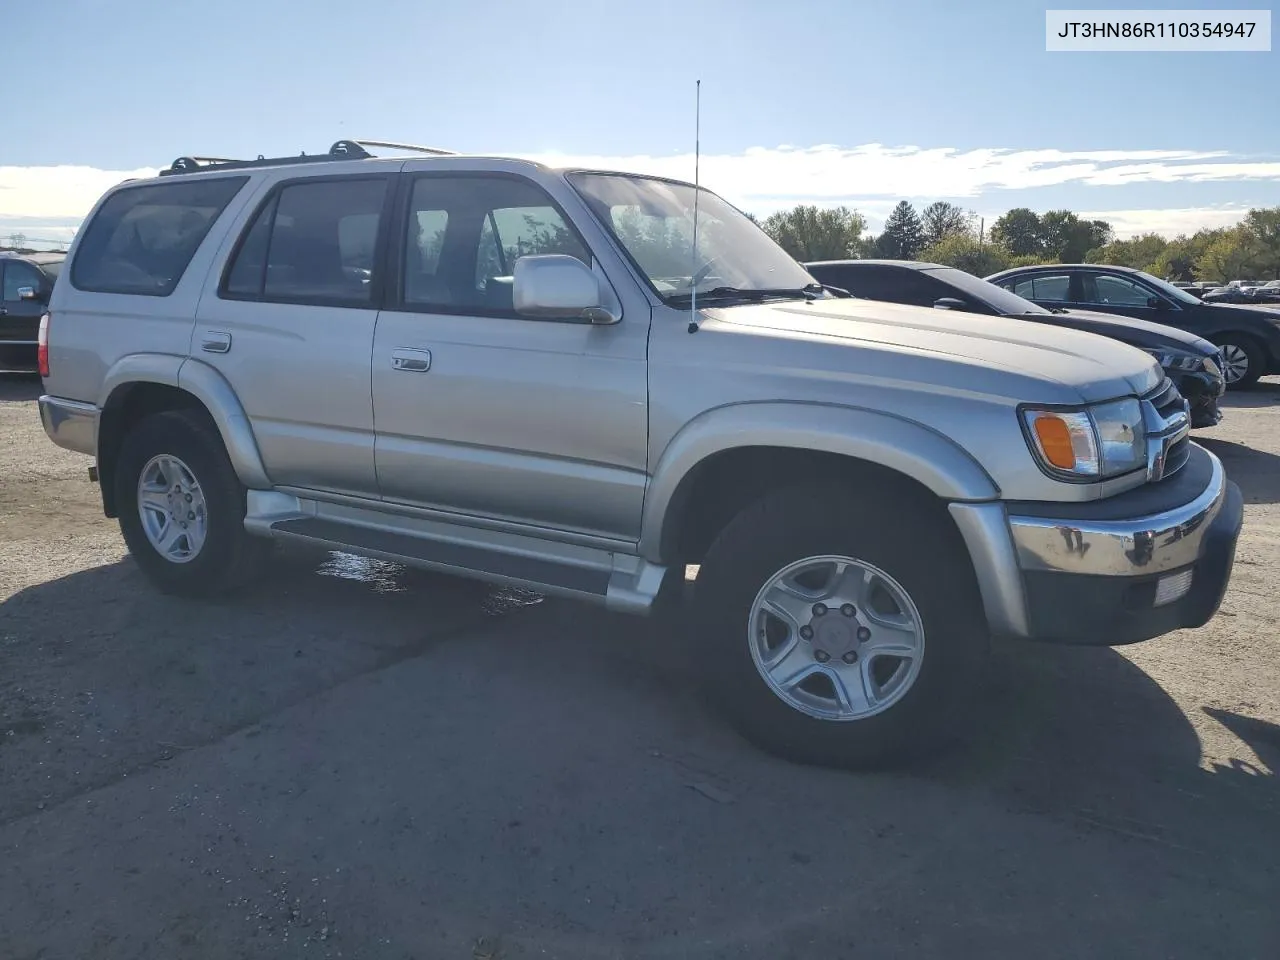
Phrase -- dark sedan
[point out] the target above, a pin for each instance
(26, 281)
(1190, 361)
(1248, 335)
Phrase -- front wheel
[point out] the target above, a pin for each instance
(182, 506)
(839, 631)
(1243, 360)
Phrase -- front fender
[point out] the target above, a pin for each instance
(905, 446)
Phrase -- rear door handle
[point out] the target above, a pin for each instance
(411, 361)
(215, 341)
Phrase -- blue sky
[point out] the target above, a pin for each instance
(822, 100)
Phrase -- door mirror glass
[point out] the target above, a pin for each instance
(28, 293)
(556, 286)
(949, 303)
(1157, 303)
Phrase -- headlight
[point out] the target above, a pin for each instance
(1093, 443)
(1177, 359)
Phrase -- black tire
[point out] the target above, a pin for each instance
(1252, 350)
(917, 549)
(229, 556)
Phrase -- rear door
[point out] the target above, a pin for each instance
(1048, 289)
(291, 328)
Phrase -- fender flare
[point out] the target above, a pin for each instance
(906, 446)
(212, 390)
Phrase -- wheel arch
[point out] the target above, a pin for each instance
(140, 385)
(727, 456)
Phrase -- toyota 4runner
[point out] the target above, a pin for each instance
(488, 367)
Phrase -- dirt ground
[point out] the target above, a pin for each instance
(353, 760)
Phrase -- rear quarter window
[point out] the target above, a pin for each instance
(143, 238)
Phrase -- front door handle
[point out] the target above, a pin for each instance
(411, 361)
(215, 341)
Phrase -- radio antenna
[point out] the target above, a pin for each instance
(697, 155)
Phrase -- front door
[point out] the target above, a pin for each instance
(19, 317)
(481, 412)
(291, 328)
(1109, 293)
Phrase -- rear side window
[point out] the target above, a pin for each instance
(142, 238)
(313, 242)
(1046, 286)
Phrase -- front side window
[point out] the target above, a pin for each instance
(313, 242)
(465, 234)
(1118, 292)
(18, 275)
(653, 221)
(142, 238)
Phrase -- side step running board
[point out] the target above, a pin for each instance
(621, 582)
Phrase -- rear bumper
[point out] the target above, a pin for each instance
(18, 356)
(1112, 571)
(70, 424)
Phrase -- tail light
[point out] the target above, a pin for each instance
(42, 347)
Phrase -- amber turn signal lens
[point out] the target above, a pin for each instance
(1055, 441)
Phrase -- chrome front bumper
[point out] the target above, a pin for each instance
(70, 424)
(1102, 578)
(1121, 548)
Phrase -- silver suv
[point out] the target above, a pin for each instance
(536, 376)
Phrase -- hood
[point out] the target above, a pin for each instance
(1140, 333)
(1094, 367)
(1262, 311)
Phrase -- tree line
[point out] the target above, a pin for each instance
(945, 233)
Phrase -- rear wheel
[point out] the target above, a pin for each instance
(838, 631)
(1243, 360)
(182, 506)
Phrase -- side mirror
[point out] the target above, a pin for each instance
(1157, 303)
(554, 286)
(28, 293)
(950, 303)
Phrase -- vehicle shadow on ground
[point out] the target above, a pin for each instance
(1264, 393)
(19, 386)
(103, 674)
(1256, 471)
(591, 798)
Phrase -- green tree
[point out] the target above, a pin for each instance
(1264, 226)
(941, 219)
(1141, 252)
(903, 235)
(1019, 231)
(1068, 239)
(810, 233)
(1231, 256)
(964, 252)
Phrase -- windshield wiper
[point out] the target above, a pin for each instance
(752, 294)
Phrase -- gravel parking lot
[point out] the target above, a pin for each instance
(354, 760)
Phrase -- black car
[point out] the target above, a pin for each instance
(1190, 361)
(1248, 335)
(26, 280)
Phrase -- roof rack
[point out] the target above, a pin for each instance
(341, 150)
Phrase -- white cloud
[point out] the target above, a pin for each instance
(1170, 223)
(53, 192)
(871, 177)
(763, 179)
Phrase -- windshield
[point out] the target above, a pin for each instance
(653, 221)
(1168, 289)
(999, 299)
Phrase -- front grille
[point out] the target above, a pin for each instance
(1168, 422)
